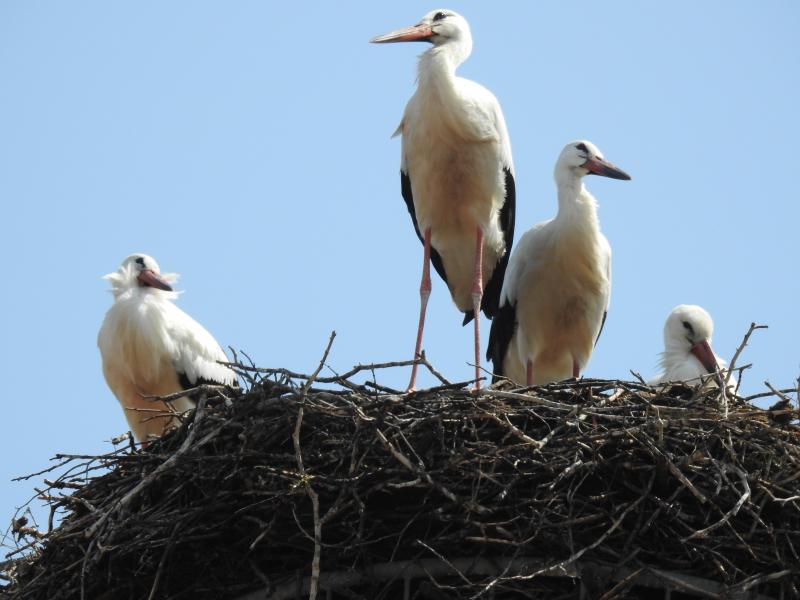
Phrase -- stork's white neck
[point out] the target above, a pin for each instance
(135, 293)
(437, 66)
(575, 203)
(678, 361)
(676, 349)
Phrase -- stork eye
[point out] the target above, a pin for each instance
(688, 326)
(140, 261)
(582, 147)
(439, 16)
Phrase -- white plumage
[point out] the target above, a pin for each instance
(457, 176)
(558, 283)
(688, 355)
(150, 347)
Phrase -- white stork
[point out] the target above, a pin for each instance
(150, 347)
(557, 288)
(687, 347)
(456, 174)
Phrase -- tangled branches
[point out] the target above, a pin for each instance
(293, 487)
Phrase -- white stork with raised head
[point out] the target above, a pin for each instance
(456, 174)
(558, 284)
(687, 352)
(150, 347)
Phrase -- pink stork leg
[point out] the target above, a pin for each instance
(424, 294)
(477, 295)
(529, 373)
(576, 369)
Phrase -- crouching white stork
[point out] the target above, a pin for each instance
(150, 347)
(687, 352)
(558, 284)
(456, 174)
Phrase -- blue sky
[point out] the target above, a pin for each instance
(247, 146)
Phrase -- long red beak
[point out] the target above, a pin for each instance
(149, 278)
(702, 350)
(415, 33)
(600, 166)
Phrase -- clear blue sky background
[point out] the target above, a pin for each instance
(246, 146)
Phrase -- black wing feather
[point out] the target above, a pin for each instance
(504, 324)
(187, 385)
(408, 196)
(490, 304)
(602, 324)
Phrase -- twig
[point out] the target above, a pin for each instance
(770, 393)
(675, 471)
(163, 561)
(346, 375)
(732, 364)
(527, 398)
(206, 388)
(514, 429)
(779, 393)
(622, 585)
(444, 560)
(755, 580)
(703, 533)
(312, 593)
(423, 360)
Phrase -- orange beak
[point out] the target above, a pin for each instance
(415, 33)
(600, 166)
(149, 278)
(703, 353)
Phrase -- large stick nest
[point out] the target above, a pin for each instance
(603, 485)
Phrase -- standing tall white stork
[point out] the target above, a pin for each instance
(558, 285)
(150, 347)
(687, 347)
(456, 174)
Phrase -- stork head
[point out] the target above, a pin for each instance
(139, 271)
(438, 27)
(582, 158)
(688, 329)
